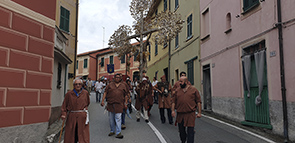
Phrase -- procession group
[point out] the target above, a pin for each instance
(180, 101)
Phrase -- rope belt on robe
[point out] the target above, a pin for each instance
(87, 113)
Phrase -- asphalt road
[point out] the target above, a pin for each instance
(208, 130)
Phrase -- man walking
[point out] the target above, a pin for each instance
(155, 92)
(116, 94)
(164, 89)
(75, 108)
(177, 84)
(99, 89)
(186, 99)
(143, 91)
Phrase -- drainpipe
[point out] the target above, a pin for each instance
(169, 52)
(282, 72)
(76, 38)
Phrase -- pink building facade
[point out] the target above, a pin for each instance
(240, 54)
(26, 67)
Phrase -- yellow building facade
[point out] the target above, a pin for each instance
(66, 21)
(159, 54)
(181, 53)
(185, 48)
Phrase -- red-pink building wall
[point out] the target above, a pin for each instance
(117, 64)
(26, 64)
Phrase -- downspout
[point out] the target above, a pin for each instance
(169, 52)
(96, 70)
(76, 38)
(282, 72)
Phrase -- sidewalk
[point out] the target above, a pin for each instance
(259, 131)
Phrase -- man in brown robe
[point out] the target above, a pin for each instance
(144, 90)
(177, 84)
(75, 108)
(116, 94)
(164, 89)
(186, 100)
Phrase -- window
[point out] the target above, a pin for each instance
(189, 26)
(123, 59)
(64, 19)
(190, 71)
(176, 4)
(85, 63)
(135, 55)
(205, 24)
(165, 5)
(165, 43)
(102, 62)
(248, 4)
(156, 48)
(176, 41)
(228, 21)
(111, 59)
(59, 69)
(149, 47)
(156, 12)
(177, 75)
(77, 65)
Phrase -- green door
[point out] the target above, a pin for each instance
(257, 115)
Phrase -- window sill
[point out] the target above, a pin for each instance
(246, 10)
(176, 8)
(205, 37)
(228, 31)
(188, 38)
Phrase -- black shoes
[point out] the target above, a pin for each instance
(119, 136)
(147, 121)
(123, 127)
(111, 133)
(138, 120)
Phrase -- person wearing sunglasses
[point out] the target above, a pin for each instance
(116, 95)
(75, 110)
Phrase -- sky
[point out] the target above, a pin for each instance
(98, 19)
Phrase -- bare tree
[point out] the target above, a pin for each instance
(164, 25)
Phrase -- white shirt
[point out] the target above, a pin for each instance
(99, 85)
(155, 83)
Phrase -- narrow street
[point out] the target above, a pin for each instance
(207, 129)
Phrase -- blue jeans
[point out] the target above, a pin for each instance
(123, 116)
(115, 121)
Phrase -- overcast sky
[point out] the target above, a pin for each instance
(96, 14)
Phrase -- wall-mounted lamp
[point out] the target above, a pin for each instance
(237, 16)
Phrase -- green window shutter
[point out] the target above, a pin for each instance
(64, 19)
(123, 59)
(102, 62)
(85, 63)
(77, 65)
(111, 59)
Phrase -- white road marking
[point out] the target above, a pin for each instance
(158, 134)
(251, 133)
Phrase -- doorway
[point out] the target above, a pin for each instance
(207, 87)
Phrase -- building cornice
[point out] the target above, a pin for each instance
(8, 4)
